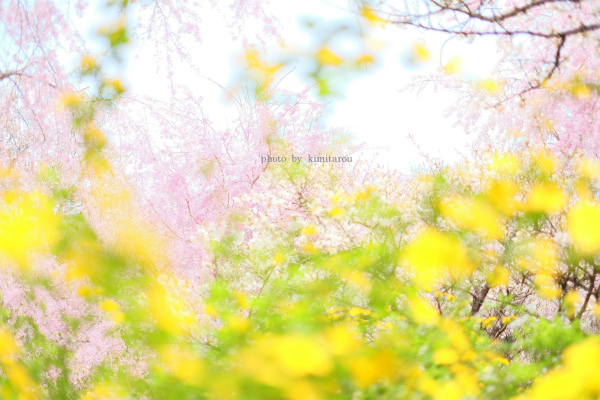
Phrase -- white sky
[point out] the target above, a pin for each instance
(374, 107)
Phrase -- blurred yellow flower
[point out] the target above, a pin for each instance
(547, 162)
(423, 312)
(327, 57)
(365, 59)
(546, 198)
(371, 368)
(583, 221)
(490, 85)
(300, 356)
(569, 303)
(489, 321)
(445, 356)
(170, 312)
(88, 63)
(434, 255)
(8, 346)
(278, 259)
(547, 286)
(499, 276)
(371, 17)
(505, 163)
(578, 378)
(71, 99)
(183, 364)
(589, 168)
(545, 252)
(309, 230)
(28, 225)
(337, 212)
(420, 53)
(453, 66)
(114, 310)
(341, 339)
(473, 214)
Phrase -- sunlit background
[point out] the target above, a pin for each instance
(396, 125)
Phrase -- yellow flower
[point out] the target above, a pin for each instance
(545, 252)
(423, 312)
(363, 195)
(328, 57)
(499, 276)
(114, 310)
(183, 364)
(84, 291)
(302, 390)
(420, 53)
(278, 259)
(264, 71)
(580, 90)
(371, 17)
(475, 215)
(359, 279)
(241, 299)
(71, 99)
(547, 162)
(28, 224)
(309, 247)
(209, 309)
(337, 212)
(300, 356)
(583, 221)
(371, 368)
(106, 392)
(453, 66)
(457, 336)
(88, 63)
(109, 306)
(20, 379)
(384, 325)
(309, 230)
(488, 322)
(433, 255)
(356, 311)
(8, 347)
(589, 168)
(365, 59)
(569, 303)
(170, 312)
(546, 198)
(491, 86)
(578, 378)
(466, 378)
(445, 356)
(450, 390)
(505, 163)
(547, 286)
(502, 195)
(341, 339)
(116, 85)
(238, 324)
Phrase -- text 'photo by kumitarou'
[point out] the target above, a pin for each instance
(306, 159)
(300, 200)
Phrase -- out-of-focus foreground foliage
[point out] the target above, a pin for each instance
(478, 280)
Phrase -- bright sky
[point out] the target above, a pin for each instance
(375, 108)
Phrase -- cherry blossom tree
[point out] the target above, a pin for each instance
(543, 90)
